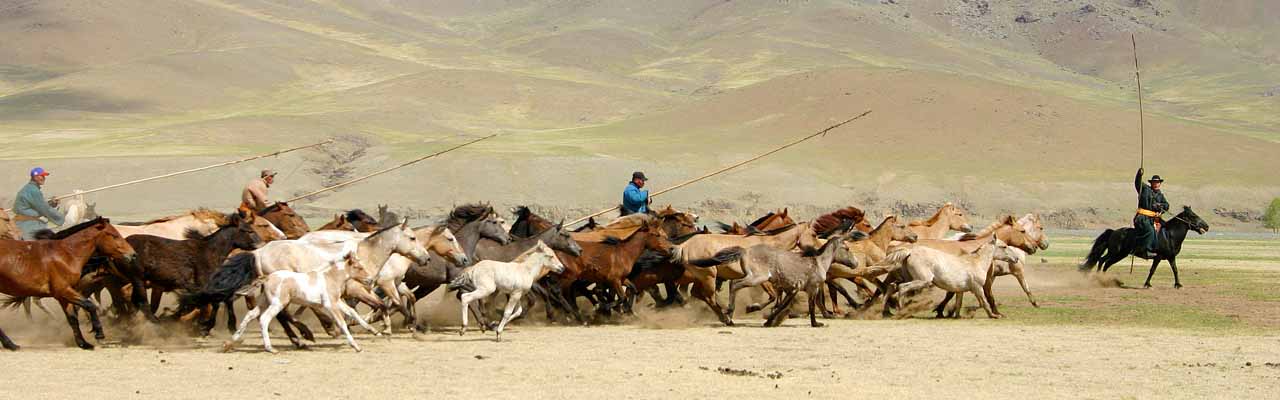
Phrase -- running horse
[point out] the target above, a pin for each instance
(53, 268)
(948, 218)
(286, 219)
(353, 220)
(1114, 245)
(203, 221)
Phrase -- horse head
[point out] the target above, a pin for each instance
(1035, 230)
(898, 230)
(441, 241)
(286, 219)
(1193, 221)
(558, 238)
(957, 219)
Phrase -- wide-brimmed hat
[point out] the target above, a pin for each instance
(1155, 178)
(638, 175)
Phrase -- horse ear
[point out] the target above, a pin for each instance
(1008, 219)
(405, 224)
(560, 226)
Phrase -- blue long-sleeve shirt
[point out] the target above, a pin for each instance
(30, 202)
(634, 200)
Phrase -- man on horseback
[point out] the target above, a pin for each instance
(30, 205)
(634, 198)
(1151, 204)
(254, 197)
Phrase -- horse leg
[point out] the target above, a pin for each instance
(1017, 273)
(341, 322)
(781, 309)
(705, 290)
(156, 295)
(69, 309)
(512, 302)
(6, 342)
(673, 294)
(94, 323)
(1177, 284)
(285, 320)
(264, 321)
(1154, 264)
(231, 315)
(942, 306)
(981, 293)
(239, 334)
(813, 302)
(466, 299)
(955, 313)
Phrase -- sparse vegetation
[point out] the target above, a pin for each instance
(1272, 218)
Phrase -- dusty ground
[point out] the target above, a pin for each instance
(1216, 338)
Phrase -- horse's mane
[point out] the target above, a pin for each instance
(687, 236)
(218, 218)
(934, 219)
(760, 220)
(232, 222)
(467, 213)
(65, 233)
(990, 229)
(383, 229)
(358, 215)
(527, 253)
(839, 220)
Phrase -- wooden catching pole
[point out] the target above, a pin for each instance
(136, 181)
(1142, 131)
(406, 164)
(726, 169)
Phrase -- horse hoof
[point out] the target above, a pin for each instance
(12, 347)
(818, 325)
(86, 346)
(1146, 286)
(997, 316)
(1034, 304)
(1177, 286)
(753, 308)
(227, 346)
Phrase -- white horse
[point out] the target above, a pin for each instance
(930, 267)
(438, 240)
(512, 278)
(319, 290)
(75, 211)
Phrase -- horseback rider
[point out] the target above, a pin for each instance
(634, 198)
(30, 205)
(254, 197)
(1151, 204)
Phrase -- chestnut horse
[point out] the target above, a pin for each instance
(354, 220)
(285, 219)
(53, 268)
(609, 262)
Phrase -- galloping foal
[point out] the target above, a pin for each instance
(512, 278)
(320, 290)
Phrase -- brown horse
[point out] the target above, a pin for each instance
(608, 263)
(287, 220)
(948, 218)
(354, 220)
(53, 268)
(841, 221)
(770, 222)
(186, 265)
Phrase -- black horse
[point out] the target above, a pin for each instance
(1114, 245)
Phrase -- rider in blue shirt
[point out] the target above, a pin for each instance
(634, 198)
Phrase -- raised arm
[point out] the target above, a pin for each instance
(1137, 181)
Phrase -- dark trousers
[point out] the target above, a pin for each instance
(1144, 229)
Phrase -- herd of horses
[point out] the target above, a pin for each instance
(272, 261)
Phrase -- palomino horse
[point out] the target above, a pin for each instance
(53, 268)
(702, 268)
(285, 219)
(203, 221)
(8, 229)
(1114, 245)
(948, 218)
(514, 278)
(953, 273)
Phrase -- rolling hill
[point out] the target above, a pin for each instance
(1002, 106)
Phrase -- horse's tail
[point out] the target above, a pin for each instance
(239, 271)
(723, 256)
(464, 283)
(891, 262)
(13, 302)
(1098, 250)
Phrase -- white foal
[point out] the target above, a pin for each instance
(513, 278)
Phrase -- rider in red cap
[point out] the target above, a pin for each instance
(30, 205)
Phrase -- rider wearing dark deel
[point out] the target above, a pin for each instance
(1151, 204)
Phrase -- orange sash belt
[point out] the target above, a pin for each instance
(20, 218)
(1148, 213)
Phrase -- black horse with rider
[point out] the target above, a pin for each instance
(1151, 237)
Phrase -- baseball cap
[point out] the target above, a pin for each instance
(37, 171)
(639, 175)
(267, 172)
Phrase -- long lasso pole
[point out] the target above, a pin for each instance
(1142, 131)
(188, 171)
(402, 165)
(726, 169)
